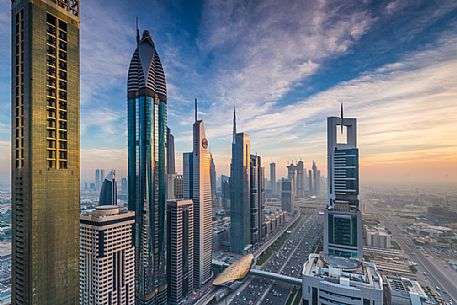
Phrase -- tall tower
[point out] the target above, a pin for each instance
(107, 257)
(147, 172)
(108, 193)
(180, 240)
(254, 193)
(273, 178)
(171, 170)
(239, 194)
(315, 179)
(202, 197)
(292, 176)
(187, 168)
(45, 166)
(343, 219)
(300, 179)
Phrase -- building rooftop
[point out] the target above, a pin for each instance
(343, 271)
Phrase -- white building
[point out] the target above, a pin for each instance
(107, 257)
(329, 280)
(403, 291)
(378, 238)
(203, 204)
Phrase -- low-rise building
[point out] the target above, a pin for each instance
(378, 238)
(404, 291)
(336, 280)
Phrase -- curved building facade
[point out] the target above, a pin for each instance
(108, 193)
(147, 130)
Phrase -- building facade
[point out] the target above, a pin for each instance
(147, 169)
(108, 193)
(273, 187)
(171, 169)
(202, 198)
(301, 173)
(187, 168)
(107, 257)
(337, 280)
(343, 219)
(180, 238)
(254, 198)
(287, 195)
(240, 238)
(45, 163)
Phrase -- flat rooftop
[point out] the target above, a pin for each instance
(343, 271)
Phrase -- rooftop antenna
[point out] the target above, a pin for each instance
(342, 118)
(137, 32)
(234, 122)
(196, 110)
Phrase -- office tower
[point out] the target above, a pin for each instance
(261, 190)
(98, 179)
(300, 179)
(178, 186)
(108, 193)
(213, 176)
(310, 182)
(202, 198)
(343, 220)
(315, 179)
(170, 153)
(187, 165)
(180, 238)
(292, 176)
(45, 172)
(255, 184)
(124, 186)
(107, 257)
(225, 187)
(318, 182)
(287, 195)
(273, 178)
(147, 172)
(239, 199)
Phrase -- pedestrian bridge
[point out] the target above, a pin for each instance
(242, 267)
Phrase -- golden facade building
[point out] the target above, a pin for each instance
(45, 152)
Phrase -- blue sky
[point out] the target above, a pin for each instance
(285, 64)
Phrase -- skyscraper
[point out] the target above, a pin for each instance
(225, 187)
(287, 195)
(213, 177)
(240, 239)
(147, 172)
(254, 193)
(343, 219)
(202, 198)
(315, 180)
(310, 182)
(273, 178)
(45, 152)
(188, 169)
(108, 193)
(300, 179)
(107, 257)
(170, 153)
(179, 249)
(292, 176)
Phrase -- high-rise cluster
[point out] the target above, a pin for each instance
(247, 187)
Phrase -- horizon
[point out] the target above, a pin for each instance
(391, 63)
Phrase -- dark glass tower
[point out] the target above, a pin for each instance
(108, 193)
(45, 152)
(147, 176)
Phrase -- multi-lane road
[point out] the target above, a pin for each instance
(437, 277)
(288, 261)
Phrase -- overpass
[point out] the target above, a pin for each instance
(244, 263)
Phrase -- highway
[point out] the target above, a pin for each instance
(435, 276)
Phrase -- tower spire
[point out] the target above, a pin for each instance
(137, 32)
(234, 123)
(342, 118)
(196, 109)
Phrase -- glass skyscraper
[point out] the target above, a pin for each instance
(45, 152)
(147, 169)
(343, 219)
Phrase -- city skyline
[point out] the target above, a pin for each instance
(391, 83)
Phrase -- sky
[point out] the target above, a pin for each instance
(286, 65)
